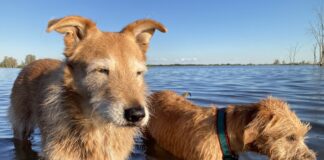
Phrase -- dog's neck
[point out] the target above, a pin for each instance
(237, 119)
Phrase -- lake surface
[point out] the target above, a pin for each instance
(301, 86)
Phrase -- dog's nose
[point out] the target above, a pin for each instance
(134, 114)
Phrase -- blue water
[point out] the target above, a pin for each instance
(301, 86)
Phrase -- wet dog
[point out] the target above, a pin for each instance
(91, 105)
(189, 132)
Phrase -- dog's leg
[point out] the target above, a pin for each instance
(21, 117)
(23, 150)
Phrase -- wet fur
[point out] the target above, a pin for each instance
(188, 131)
(77, 105)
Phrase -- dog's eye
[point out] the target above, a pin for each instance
(139, 73)
(103, 70)
(292, 138)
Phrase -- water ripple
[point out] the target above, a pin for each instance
(301, 86)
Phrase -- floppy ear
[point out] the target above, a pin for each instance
(143, 30)
(75, 28)
(255, 128)
(250, 135)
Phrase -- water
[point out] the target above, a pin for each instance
(301, 86)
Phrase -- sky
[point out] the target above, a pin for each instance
(200, 31)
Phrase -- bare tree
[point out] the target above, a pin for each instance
(315, 53)
(317, 30)
(293, 50)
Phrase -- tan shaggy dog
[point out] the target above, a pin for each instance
(189, 132)
(91, 105)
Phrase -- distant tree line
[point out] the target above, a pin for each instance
(283, 62)
(10, 62)
(292, 53)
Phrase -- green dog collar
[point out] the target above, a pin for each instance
(222, 135)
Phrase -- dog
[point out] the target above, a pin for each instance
(188, 131)
(91, 105)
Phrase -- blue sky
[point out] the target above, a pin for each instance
(205, 31)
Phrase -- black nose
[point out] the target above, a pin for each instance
(134, 114)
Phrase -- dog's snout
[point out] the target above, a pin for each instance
(134, 114)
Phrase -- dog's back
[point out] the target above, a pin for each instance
(189, 132)
(24, 98)
(176, 120)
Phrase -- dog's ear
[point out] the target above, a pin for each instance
(143, 30)
(250, 135)
(74, 28)
(255, 128)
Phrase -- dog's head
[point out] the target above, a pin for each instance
(106, 69)
(277, 132)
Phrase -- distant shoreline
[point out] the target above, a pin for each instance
(192, 65)
(175, 65)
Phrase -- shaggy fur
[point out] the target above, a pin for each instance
(79, 104)
(188, 131)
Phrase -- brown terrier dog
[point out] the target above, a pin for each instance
(91, 105)
(189, 132)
